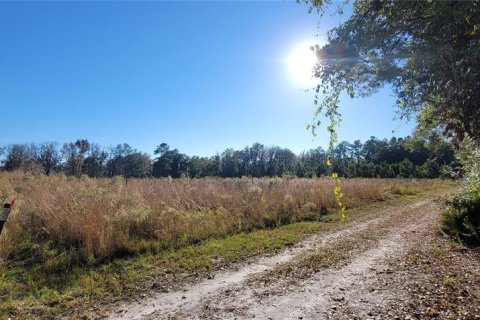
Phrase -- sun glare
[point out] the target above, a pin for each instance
(300, 63)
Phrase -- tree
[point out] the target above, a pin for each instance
(94, 163)
(137, 165)
(161, 149)
(430, 169)
(2, 152)
(116, 163)
(406, 169)
(169, 162)
(18, 155)
(194, 167)
(74, 154)
(356, 150)
(428, 51)
(229, 163)
(49, 157)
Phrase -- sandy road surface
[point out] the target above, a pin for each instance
(243, 293)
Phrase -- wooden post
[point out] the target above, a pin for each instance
(7, 207)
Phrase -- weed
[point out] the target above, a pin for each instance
(438, 252)
(448, 281)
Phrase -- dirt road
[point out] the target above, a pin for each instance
(348, 273)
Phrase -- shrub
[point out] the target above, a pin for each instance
(462, 219)
(469, 156)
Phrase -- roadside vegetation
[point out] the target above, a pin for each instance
(71, 241)
(462, 218)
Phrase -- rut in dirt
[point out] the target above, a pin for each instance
(235, 294)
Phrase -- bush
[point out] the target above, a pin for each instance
(462, 219)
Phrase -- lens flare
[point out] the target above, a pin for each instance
(301, 62)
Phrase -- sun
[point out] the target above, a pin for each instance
(301, 62)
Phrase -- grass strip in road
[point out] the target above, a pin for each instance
(341, 251)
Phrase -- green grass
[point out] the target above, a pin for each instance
(27, 291)
(404, 190)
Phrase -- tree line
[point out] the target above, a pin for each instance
(410, 157)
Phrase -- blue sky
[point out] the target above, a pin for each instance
(200, 76)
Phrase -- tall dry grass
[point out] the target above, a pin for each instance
(62, 220)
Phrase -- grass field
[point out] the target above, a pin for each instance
(71, 242)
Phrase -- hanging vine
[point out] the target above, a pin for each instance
(328, 108)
